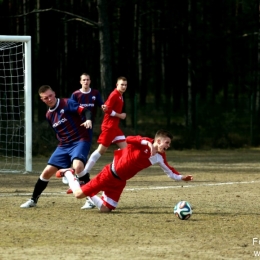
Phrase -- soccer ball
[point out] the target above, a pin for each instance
(183, 210)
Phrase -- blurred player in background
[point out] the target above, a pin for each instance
(65, 117)
(91, 99)
(88, 97)
(140, 153)
(110, 131)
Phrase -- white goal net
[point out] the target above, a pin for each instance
(15, 104)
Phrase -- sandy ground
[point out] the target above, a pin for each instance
(224, 225)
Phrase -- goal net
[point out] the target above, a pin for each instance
(15, 104)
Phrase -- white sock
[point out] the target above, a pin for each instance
(91, 161)
(97, 201)
(73, 182)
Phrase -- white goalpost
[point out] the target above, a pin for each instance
(15, 104)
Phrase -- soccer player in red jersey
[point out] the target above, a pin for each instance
(65, 118)
(110, 131)
(140, 153)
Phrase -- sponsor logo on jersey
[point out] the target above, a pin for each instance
(62, 121)
(87, 105)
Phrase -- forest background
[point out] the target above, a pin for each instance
(192, 66)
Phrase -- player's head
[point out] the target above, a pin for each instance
(121, 84)
(162, 140)
(85, 81)
(47, 95)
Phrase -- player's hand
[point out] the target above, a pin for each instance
(87, 124)
(104, 108)
(187, 178)
(123, 115)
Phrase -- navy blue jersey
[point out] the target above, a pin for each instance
(91, 99)
(65, 119)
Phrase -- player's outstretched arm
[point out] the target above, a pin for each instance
(187, 178)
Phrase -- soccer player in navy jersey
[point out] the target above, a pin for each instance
(88, 97)
(65, 117)
(91, 99)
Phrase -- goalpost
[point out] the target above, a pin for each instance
(15, 104)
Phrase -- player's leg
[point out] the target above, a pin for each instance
(40, 186)
(111, 196)
(88, 190)
(78, 166)
(119, 139)
(59, 159)
(79, 157)
(86, 150)
(111, 187)
(104, 140)
(95, 156)
(71, 178)
(74, 185)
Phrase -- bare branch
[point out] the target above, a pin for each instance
(78, 17)
(80, 20)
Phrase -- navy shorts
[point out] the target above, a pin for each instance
(64, 155)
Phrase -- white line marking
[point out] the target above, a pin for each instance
(136, 189)
(193, 186)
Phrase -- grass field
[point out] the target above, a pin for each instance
(225, 196)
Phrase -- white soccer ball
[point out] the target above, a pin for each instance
(183, 210)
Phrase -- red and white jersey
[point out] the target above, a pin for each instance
(137, 156)
(115, 103)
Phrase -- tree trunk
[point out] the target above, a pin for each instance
(189, 79)
(105, 49)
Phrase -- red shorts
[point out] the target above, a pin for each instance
(111, 186)
(111, 135)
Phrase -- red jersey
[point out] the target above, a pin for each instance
(137, 156)
(115, 103)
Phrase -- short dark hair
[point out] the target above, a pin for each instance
(122, 78)
(163, 133)
(44, 88)
(84, 74)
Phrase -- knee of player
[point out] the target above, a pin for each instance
(78, 168)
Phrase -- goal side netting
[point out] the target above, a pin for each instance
(15, 104)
